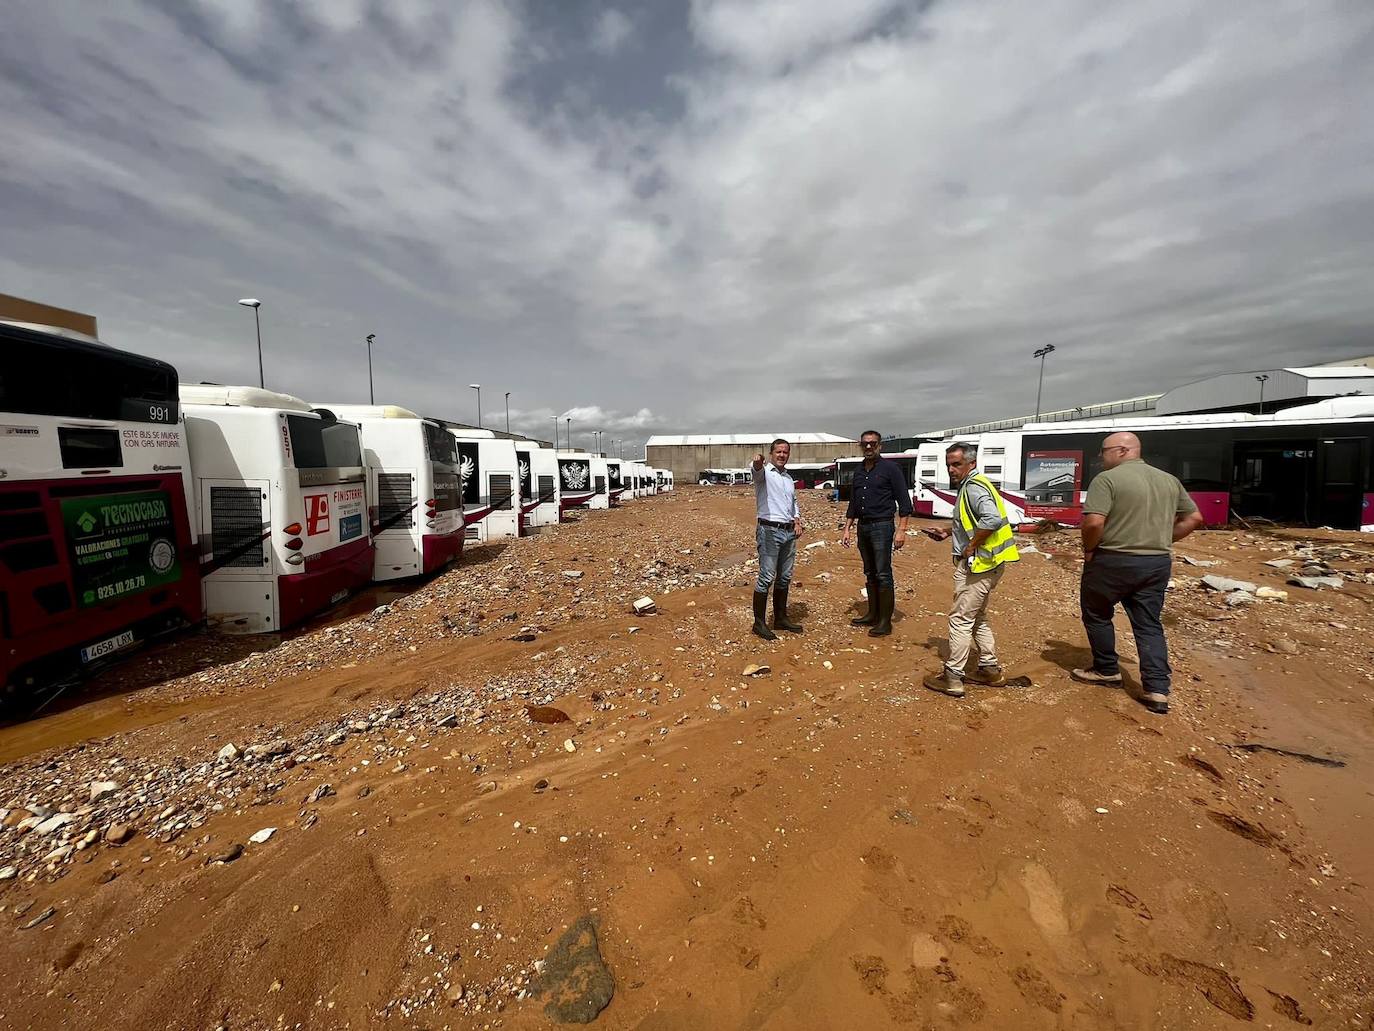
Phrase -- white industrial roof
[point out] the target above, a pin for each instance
(1332, 371)
(672, 440)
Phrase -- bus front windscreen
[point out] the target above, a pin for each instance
(442, 447)
(323, 444)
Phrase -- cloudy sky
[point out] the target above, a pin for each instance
(711, 216)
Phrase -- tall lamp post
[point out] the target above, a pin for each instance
(1041, 353)
(1262, 379)
(507, 411)
(555, 432)
(371, 398)
(478, 387)
(255, 304)
(570, 433)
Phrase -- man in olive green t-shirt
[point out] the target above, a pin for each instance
(1132, 516)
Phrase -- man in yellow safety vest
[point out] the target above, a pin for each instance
(983, 545)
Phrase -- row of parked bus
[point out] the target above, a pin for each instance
(1309, 465)
(131, 504)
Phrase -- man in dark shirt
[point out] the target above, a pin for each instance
(879, 490)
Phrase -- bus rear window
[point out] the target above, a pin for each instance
(86, 447)
(441, 444)
(320, 444)
(43, 375)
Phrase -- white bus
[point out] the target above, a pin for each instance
(601, 497)
(414, 486)
(96, 549)
(538, 468)
(575, 484)
(999, 459)
(615, 480)
(280, 495)
(668, 479)
(491, 484)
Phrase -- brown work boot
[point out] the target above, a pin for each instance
(1156, 702)
(1091, 676)
(946, 681)
(988, 676)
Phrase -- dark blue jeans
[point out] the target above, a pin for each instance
(1137, 583)
(875, 546)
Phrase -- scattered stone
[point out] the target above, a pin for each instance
(813, 545)
(9, 873)
(632, 629)
(569, 745)
(1271, 594)
(323, 791)
(54, 823)
(380, 611)
(451, 720)
(1314, 583)
(1280, 563)
(59, 855)
(260, 836)
(644, 606)
(575, 978)
(540, 785)
(41, 918)
(487, 787)
(118, 833)
(1225, 584)
(1282, 646)
(1238, 598)
(103, 789)
(755, 670)
(227, 855)
(228, 753)
(1201, 562)
(547, 714)
(572, 574)
(1102, 811)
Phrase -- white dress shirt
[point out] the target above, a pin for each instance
(775, 494)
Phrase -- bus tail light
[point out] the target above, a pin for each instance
(295, 560)
(292, 529)
(294, 544)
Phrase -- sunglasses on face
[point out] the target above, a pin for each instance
(1114, 447)
(871, 443)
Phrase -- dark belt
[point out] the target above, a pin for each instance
(776, 526)
(875, 519)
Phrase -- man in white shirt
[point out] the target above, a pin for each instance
(779, 526)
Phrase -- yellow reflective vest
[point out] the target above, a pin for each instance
(1001, 544)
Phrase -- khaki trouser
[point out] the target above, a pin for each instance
(968, 618)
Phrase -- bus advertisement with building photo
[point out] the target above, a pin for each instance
(280, 496)
(95, 538)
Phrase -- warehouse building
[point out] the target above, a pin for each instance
(689, 455)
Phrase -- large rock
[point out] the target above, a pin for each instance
(575, 979)
(1226, 584)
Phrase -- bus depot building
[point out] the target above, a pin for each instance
(688, 456)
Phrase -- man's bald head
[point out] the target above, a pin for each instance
(1118, 448)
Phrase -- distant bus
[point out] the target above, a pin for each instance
(809, 475)
(538, 467)
(601, 497)
(415, 487)
(615, 479)
(999, 459)
(280, 499)
(723, 477)
(575, 484)
(491, 483)
(96, 547)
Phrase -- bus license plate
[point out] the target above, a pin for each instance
(105, 647)
(337, 597)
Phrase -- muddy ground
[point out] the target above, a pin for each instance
(822, 845)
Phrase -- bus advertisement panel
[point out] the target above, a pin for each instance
(1052, 483)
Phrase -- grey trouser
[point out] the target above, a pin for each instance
(968, 618)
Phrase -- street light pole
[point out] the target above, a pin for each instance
(555, 432)
(478, 387)
(1041, 353)
(255, 304)
(371, 398)
(570, 433)
(1262, 379)
(507, 411)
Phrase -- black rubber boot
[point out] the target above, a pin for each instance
(760, 626)
(780, 620)
(872, 616)
(885, 604)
